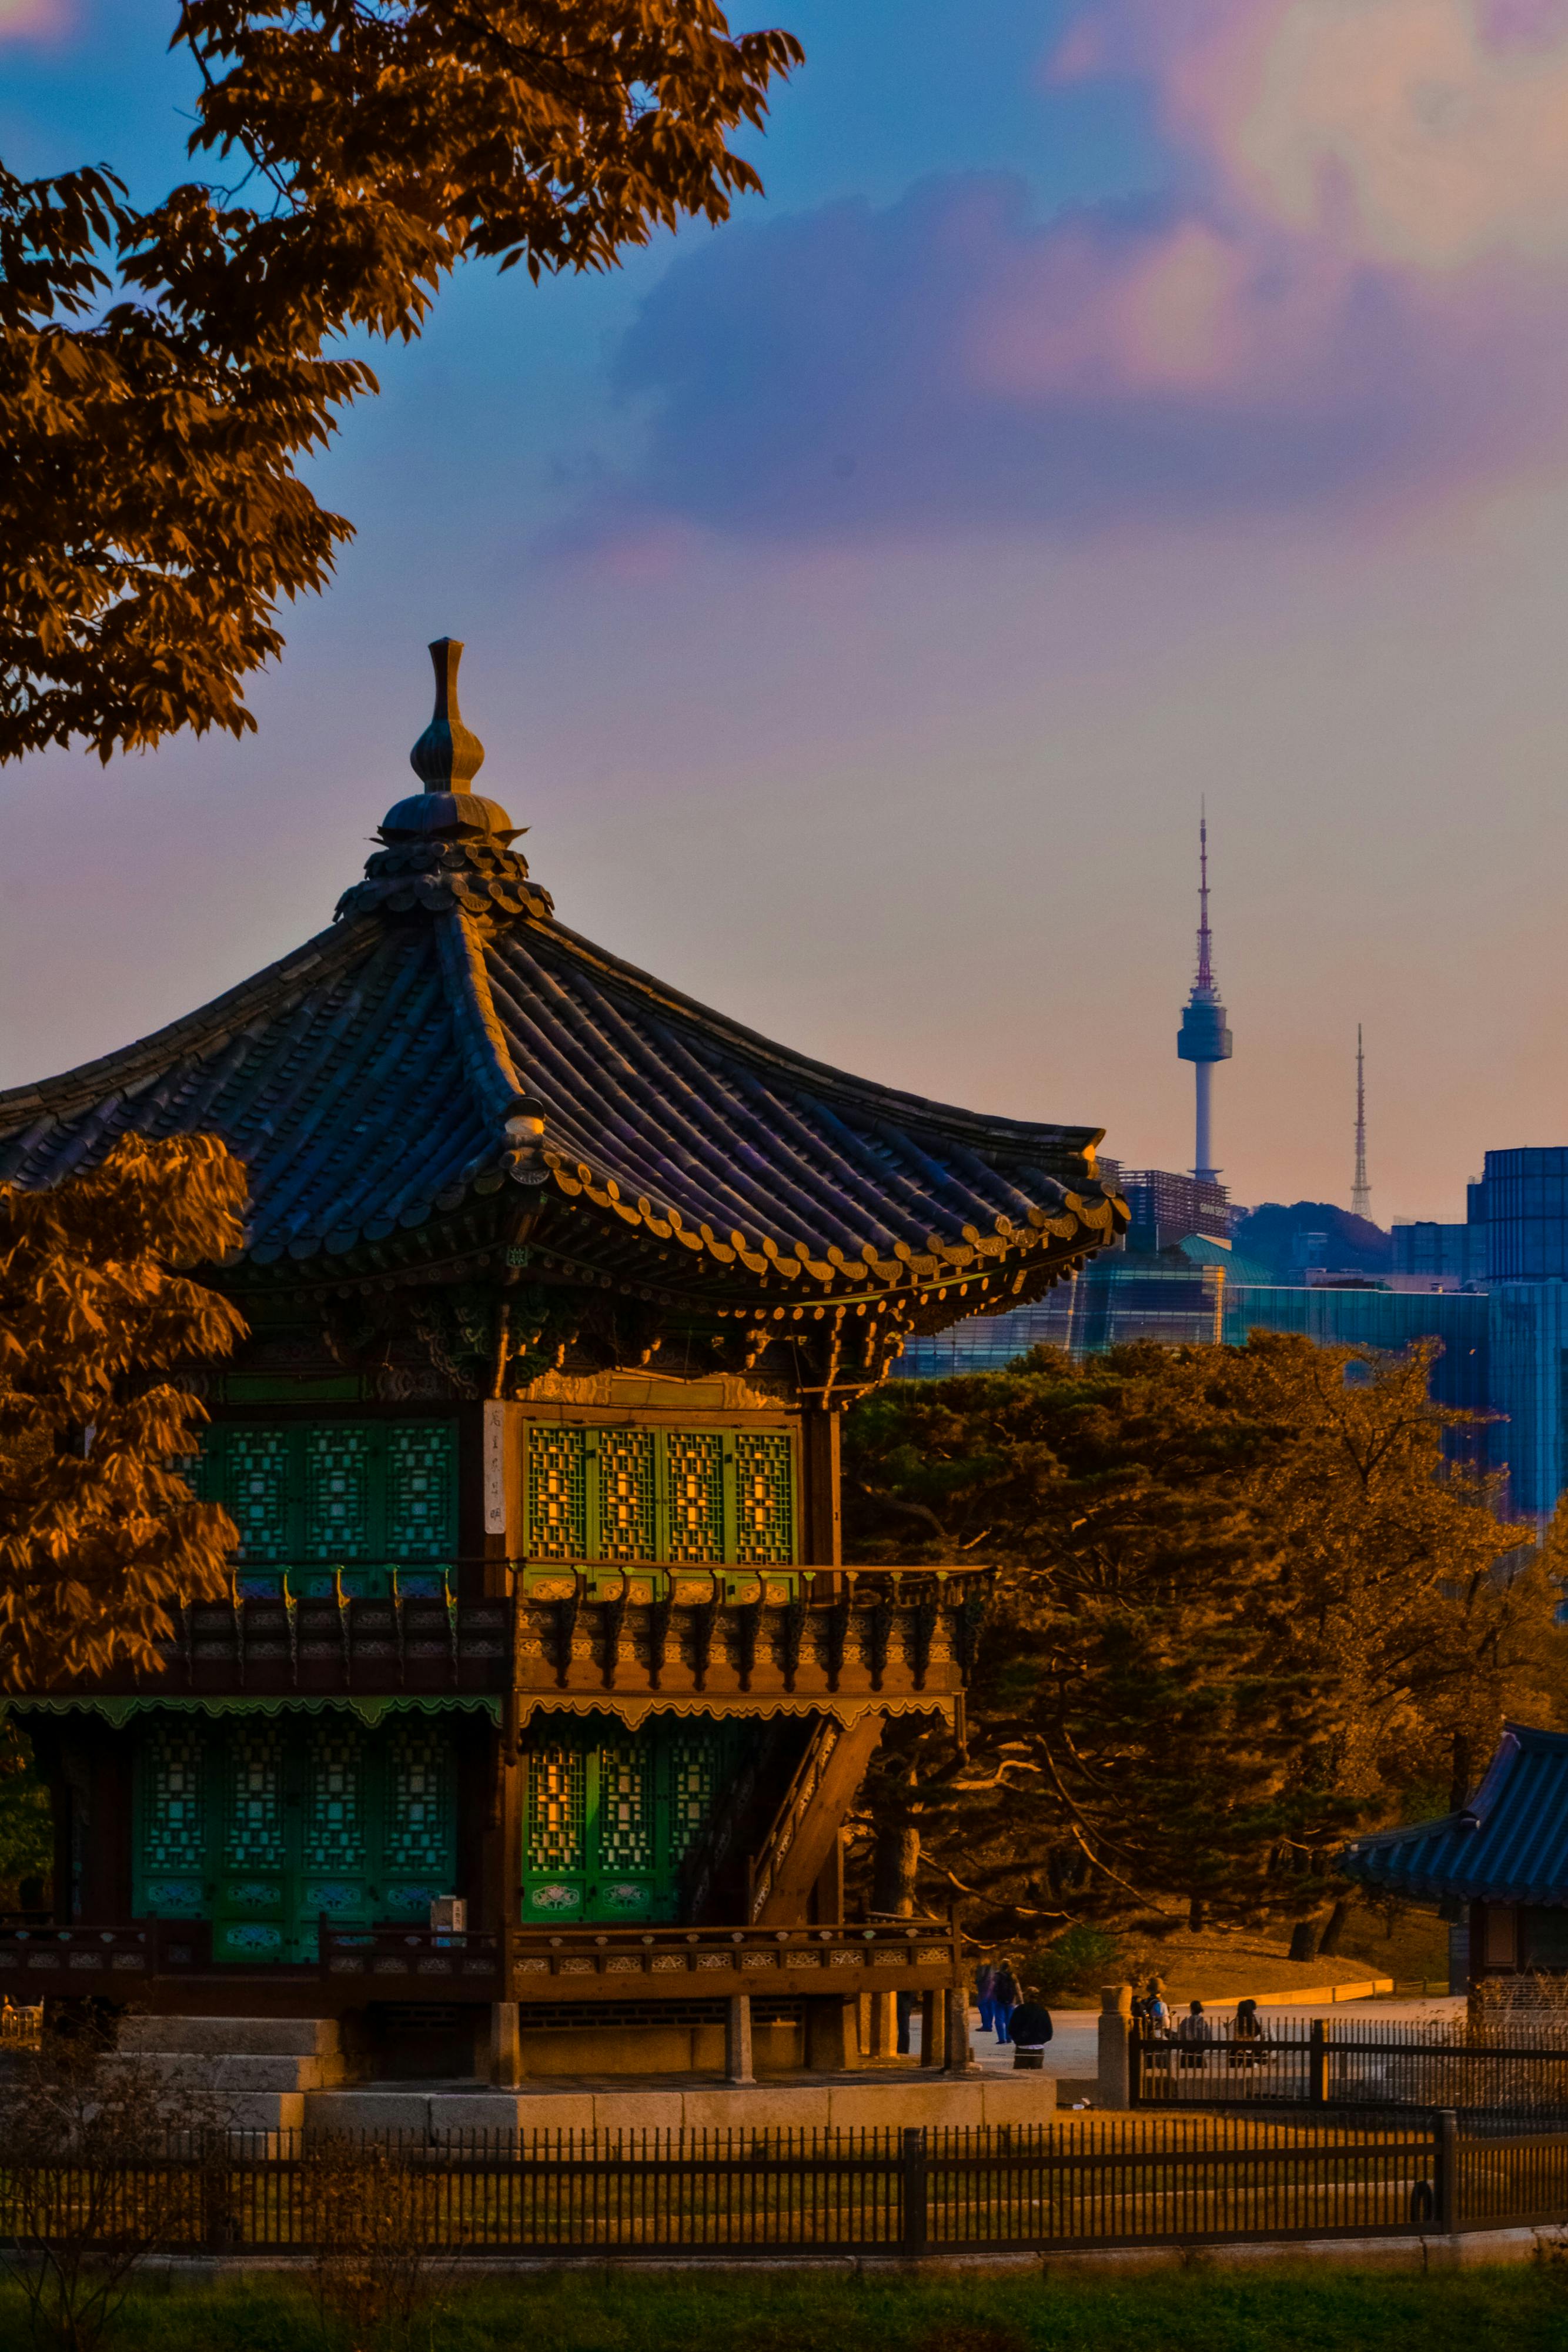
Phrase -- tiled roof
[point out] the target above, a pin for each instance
(368, 1079)
(450, 1035)
(1509, 1843)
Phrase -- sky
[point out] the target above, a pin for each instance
(1106, 409)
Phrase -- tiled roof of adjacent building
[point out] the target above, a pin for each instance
(1509, 1844)
(448, 1033)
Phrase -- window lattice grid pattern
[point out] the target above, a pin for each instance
(695, 1467)
(256, 1482)
(557, 1790)
(765, 1497)
(693, 1774)
(253, 1838)
(626, 1494)
(419, 1807)
(419, 1490)
(337, 1493)
(557, 1494)
(335, 1813)
(625, 1812)
(174, 1836)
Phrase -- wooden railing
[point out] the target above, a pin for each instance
(763, 1865)
(680, 1963)
(467, 1966)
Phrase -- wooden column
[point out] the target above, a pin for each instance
(933, 2029)
(505, 2045)
(737, 2039)
(822, 1542)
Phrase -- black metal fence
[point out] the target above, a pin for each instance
(1093, 2182)
(1511, 2069)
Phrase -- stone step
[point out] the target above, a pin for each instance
(243, 2073)
(267, 2111)
(231, 2037)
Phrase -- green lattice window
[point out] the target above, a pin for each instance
(687, 1495)
(421, 1489)
(558, 1793)
(360, 1495)
(626, 1493)
(695, 1477)
(765, 1498)
(335, 1800)
(338, 1493)
(611, 1816)
(262, 1825)
(174, 1835)
(625, 1815)
(254, 1839)
(420, 1807)
(255, 1488)
(693, 1779)
(558, 1493)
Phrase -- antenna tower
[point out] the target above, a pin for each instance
(1204, 1038)
(1361, 1191)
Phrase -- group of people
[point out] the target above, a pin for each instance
(1012, 2015)
(1194, 2031)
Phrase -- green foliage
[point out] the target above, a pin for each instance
(1241, 1605)
(1252, 2308)
(100, 1534)
(27, 1824)
(164, 373)
(1081, 1960)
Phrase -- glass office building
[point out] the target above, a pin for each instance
(1526, 1210)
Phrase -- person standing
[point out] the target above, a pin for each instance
(1005, 1997)
(986, 1993)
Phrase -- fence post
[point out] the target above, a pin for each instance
(1446, 2171)
(1318, 2063)
(913, 2168)
(1114, 2086)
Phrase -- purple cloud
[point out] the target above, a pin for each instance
(952, 362)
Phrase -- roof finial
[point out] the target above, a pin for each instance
(446, 757)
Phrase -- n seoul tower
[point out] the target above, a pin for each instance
(1203, 1038)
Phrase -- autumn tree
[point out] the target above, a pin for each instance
(100, 1535)
(163, 371)
(1241, 1606)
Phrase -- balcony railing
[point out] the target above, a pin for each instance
(121, 1962)
(589, 1963)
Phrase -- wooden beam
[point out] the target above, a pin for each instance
(816, 1834)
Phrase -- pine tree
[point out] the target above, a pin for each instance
(1241, 1606)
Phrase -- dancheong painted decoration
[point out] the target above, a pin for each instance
(556, 1284)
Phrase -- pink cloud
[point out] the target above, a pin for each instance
(35, 20)
(1360, 290)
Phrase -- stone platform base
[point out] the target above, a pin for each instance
(858, 2102)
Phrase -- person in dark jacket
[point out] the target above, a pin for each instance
(1028, 2030)
(1004, 1995)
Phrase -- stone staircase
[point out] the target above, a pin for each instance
(261, 2067)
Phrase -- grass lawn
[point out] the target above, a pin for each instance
(1519, 2309)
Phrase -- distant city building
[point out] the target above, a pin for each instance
(1166, 1207)
(1439, 1257)
(1524, 1204)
